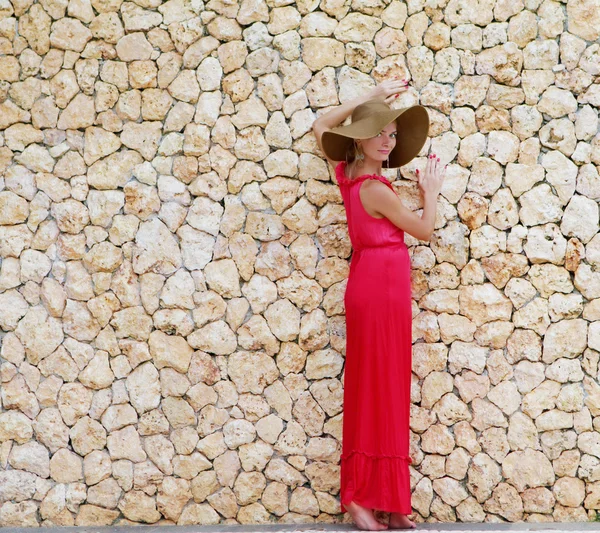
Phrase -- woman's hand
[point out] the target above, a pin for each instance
(430, 182)
(387, 91)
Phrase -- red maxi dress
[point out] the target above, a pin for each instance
(377, 379)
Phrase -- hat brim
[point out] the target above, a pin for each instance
(412, 129)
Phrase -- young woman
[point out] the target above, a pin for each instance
(375, 447)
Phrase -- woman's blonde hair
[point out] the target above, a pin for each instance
(353, 152)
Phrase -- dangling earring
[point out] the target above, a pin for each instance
(359, 154)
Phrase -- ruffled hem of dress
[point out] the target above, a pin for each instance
(376, 481)
(407, 458)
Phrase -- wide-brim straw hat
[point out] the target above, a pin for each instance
(369, 119)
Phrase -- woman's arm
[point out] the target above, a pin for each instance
(387, 91)
(379, 198)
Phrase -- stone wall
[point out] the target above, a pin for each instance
(174, 254)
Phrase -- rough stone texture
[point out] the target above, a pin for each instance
(173, 258)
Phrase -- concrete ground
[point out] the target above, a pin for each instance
(571, 527)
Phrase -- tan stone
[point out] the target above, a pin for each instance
(142, 137)
(320, 52)
(437, 439)
(105, 494)
(69, 34)
(125, 444)
(252, 372)
(137, 506)
(580, 23)
(484, 303)
(533, 469)
(554, 344)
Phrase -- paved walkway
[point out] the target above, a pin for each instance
(572, 527)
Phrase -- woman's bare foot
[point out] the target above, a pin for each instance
(401, 521)
(364, 518)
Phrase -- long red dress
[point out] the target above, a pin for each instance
(375, 445)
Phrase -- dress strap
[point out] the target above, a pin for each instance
(342, 179)
(340, 173)
(376, 177)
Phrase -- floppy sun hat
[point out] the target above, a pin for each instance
(369, 119)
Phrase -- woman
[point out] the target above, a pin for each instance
(375, 447)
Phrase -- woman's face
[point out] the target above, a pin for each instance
(380, 147)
